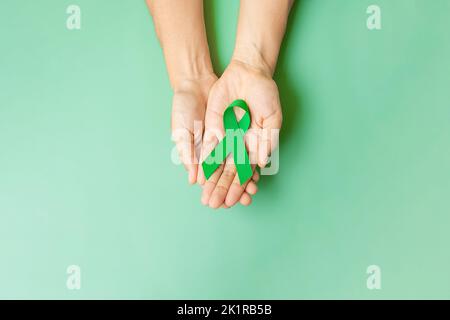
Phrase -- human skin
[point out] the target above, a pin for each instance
(180, 28)
(261, 28)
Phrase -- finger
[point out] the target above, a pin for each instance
(269, 137)
(264, 146)
(200, 175)
(223, 185)
(210, 140)
(212, 135)
(184, 142)
(251, 142)
(251, 188)
(210, 185)
(246, 199)
(255, 176)
(235, 191)
(254, 180)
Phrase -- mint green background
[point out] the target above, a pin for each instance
(86, 176)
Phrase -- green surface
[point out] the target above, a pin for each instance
(86, 176)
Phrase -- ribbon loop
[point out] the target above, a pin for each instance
(233, 142)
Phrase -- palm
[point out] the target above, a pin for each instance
(241, 81)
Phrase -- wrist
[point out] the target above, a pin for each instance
(199, 84)
(260, 31)
(254, 56)
(189, 66)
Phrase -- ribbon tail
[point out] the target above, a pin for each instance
(211, 163)
(244, 170)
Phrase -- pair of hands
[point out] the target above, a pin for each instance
(197, 126)
(200, 98)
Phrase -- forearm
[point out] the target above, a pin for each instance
(180, 28)
(261, 28)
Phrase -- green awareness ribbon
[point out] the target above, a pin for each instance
(233, 142)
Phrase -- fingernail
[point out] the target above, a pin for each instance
(204, 200)
(191, 177)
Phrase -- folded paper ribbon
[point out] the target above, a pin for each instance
(233, 142)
